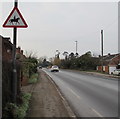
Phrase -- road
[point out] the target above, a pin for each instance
(88, 95)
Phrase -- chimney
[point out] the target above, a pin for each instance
(22, 52)
(18, 50)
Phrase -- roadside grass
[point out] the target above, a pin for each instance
(33, 78)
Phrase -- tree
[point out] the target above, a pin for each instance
(87, 62)
(57, 61)
(76, 55)
(66, 55)
(57, 54)
(84, 62)
(71, 55)
(30, 64)
(51, 60)
(30, 54)
(40, 60)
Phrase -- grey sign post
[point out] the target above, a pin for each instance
(15, 20)
(14, 83)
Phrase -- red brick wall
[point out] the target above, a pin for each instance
(6, 50)
(99, 68)
(107, 69)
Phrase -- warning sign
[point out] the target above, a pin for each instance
(15, 19)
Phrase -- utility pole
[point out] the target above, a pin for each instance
(102, 48)
(76, 47)
(14, 83)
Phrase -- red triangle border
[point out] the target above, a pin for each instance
(18, 26)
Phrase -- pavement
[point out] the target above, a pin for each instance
(105, 75)
(47, 101)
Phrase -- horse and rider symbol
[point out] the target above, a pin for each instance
(14, 21)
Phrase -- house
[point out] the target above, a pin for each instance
(6, 57)
(6, 54)
(6, 48)
(110, 63)
(19, 54)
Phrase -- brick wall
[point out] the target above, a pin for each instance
(6, 49)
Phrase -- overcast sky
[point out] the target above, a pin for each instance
(57, 25)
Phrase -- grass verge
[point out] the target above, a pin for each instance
(33, 78)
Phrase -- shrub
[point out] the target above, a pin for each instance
(33, 78)
(17, 111)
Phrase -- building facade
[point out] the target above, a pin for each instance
(110, 63)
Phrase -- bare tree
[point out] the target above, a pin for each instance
(42, 58)
(57, 54)
(30, 54)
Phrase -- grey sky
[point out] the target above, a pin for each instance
(56, 26)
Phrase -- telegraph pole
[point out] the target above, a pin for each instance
(14, 86)
(102, 48)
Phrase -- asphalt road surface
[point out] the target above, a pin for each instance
(88, 95)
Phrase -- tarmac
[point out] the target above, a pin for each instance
(47, 101)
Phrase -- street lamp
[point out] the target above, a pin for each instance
(102, 48)
(76, 46)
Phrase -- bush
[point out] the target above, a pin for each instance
(33, 78)
(17, 112)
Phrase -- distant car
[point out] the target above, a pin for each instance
(116, 72)
(54, 68)
(40, 67)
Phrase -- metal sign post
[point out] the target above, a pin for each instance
(14, 86)
(15, 20)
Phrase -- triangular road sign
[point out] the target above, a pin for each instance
(15, 19)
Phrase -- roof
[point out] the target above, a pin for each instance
(7, 42)
(109, 57)
(7, 38)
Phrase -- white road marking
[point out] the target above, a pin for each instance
(74, 93)
(96, 112)
(80, 98)
(71, 90)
